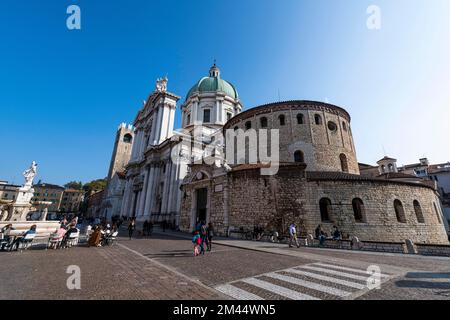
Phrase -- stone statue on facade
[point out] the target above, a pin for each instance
(161, 84)
(29, 175)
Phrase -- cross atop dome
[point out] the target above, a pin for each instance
(214, 72)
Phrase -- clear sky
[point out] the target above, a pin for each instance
(63, 93)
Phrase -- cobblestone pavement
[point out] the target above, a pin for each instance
(163, 267)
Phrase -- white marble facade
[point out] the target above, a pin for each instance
(153, 180)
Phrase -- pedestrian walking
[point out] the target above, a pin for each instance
(197, 241)
(131, 227)
(209, 235)
(293, 236)
(203, 235)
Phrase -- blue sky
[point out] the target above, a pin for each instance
(63, 93)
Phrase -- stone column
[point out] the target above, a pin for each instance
(149, 195)
(172, 189)
(158, 127)
(143, 197)
(155, 188)
(167, 184)
(194, 113)
(152, 133)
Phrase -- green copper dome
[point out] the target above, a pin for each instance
(213, 83)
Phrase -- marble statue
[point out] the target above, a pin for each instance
(29, 175)
(161, 84)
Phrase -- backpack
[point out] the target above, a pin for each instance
(194, 239)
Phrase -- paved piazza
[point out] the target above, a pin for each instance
(162, 267)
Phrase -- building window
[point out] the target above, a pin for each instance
(344, 163)
(236, 128)
(248, 125)
(300, 118)
(263, 122)
(229, 115)
(358, 210)
(299, 156)
(188, 121)
(437, 213)
(206, 115)
(418, 211)
(282, 119)
(332, 126)
(399, 211)
(318, 119)
(344, 126)
(128, 138)
(325, 209)
(391, 167)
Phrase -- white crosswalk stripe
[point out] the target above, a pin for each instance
(332, 266)
(282, 291)
(310, 285)
(329, 279)
(336, 273)
(237, 293)
(306, 282)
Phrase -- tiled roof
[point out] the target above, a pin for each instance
(48, 186)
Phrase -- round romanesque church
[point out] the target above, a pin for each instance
(317, 179)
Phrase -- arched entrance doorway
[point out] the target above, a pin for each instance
(202, 204)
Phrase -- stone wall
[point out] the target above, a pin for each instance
(320, 145)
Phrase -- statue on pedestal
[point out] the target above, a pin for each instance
(29, 175)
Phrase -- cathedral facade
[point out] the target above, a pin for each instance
(318, 179)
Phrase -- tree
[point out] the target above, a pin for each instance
(98, 185)
(74, 185)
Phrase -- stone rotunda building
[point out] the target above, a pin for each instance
(318, 181)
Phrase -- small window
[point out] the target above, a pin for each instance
(344, 126)
(128, 138)
(318, 119)
(332, 126)
(263, 122)
(236, 128)
(300, 118)
(383, 168)
(282, 119)
(299, 156)
(344, 163)
(188, 121)
(399, 211)
(358, 210)
(206, 115)
(229, 115)
(391, 167)
(418, 211)
(248, 125)
(438, 215)
(325, 209)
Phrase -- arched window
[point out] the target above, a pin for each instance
(418, 211)
(282, 119)
(263, 122)
(383, 168)
(128, 138)
(318, 119)
(391, 167)
(344, 126)
(358, 210)
(325, 209)
(188, 119)
(248, 125)
(206, 115)
(344, 163)
(236, 128)
(438, 215)
(300, 118)
(299, 156)
(399, 211)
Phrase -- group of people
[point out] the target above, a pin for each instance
(101, 235)
(203, 235)
(320, 235)
(11, 242)
(64, 232)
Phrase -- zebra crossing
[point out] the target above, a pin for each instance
(316, 281)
